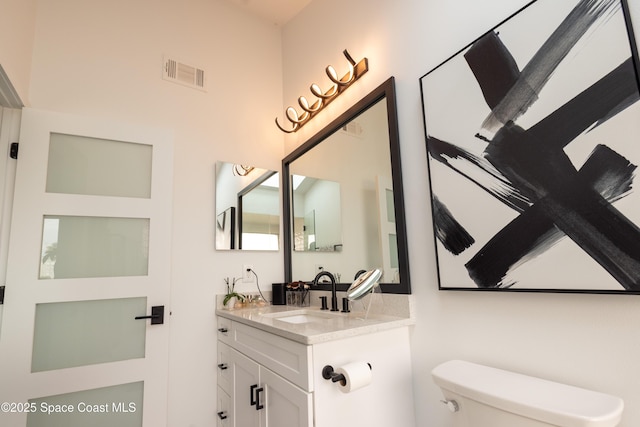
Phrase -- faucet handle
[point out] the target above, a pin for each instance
(323, 302)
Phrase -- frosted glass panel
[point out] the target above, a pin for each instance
(119, 406)
(84, 165)
(391, 211)
(79, 333)
(76, 246)
(393, 250)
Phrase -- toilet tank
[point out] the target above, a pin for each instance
(490, 397)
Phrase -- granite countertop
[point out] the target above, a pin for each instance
(310, 325)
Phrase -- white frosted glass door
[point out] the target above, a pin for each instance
(102, 167)
(80, 246)
(89, 253)
(116, 406)
(79, 333)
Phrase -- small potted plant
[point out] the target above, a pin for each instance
(231, 293)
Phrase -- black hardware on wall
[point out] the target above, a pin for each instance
(13, 151)
(329, 374)
(157, 315)
(1, 295)
(222, 415)
(223, 366)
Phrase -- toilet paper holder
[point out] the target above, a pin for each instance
(328, 373)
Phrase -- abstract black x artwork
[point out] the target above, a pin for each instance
(533, 141)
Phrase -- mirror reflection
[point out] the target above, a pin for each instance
(316, 214)
(247, 208)
(359, 223)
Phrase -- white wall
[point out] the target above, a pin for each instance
(16, 41)
(104, 58)
(585, 340)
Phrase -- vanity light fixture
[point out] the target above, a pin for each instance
(356, 70)
(242, 170)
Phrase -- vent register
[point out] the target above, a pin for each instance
(353, 128)
(179, 72)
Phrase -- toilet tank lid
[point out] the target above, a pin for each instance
(543, 400)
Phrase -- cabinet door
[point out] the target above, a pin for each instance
(224, 415)
(287, 358)
(246, 383)
(286, 404)
(224, 368)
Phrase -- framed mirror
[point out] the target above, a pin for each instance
(247, 208)
(343, 199)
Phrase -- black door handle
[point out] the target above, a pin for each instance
(223, 366)
(157, 315)
(222, 415)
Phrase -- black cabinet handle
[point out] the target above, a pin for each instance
(223, 330)
(252, 398)
(222, 415)
(258, 404)
(223, 366)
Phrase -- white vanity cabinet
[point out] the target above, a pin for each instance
(270, 371)
(251, 365)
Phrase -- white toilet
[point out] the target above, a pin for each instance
(480, 396)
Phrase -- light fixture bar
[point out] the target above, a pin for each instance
(324, 98)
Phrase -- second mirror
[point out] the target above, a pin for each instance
(247, 208)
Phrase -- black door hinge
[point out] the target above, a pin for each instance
(1, 295)
(13, 151)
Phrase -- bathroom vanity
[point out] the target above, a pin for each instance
(271, 359)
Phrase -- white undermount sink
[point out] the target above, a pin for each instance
(301, 316)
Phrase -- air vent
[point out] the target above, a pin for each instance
(176, 71)
(354, 129)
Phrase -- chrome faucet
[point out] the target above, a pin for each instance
(334, 298)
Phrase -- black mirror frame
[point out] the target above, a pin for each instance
(385, 91)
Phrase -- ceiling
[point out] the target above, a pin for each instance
(279, 12)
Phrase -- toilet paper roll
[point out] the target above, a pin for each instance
(357, 375)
